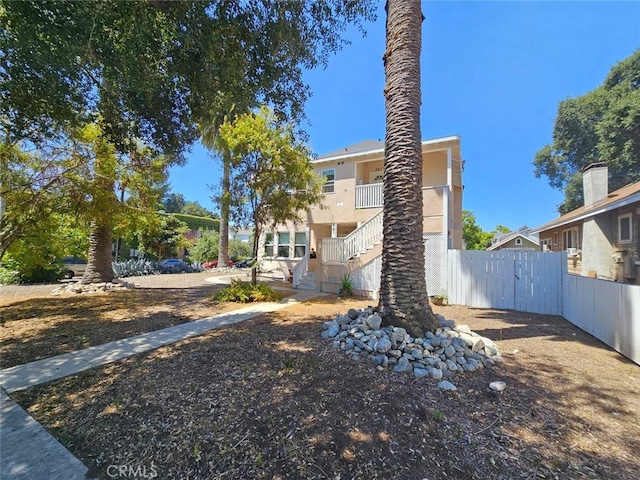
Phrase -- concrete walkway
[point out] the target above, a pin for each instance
(28, 451)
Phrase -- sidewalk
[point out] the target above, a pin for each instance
(27, 451)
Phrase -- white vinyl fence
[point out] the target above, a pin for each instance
(609, 311)
(538, 282)
(507, 279)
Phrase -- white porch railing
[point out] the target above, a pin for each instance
(299, 269)
(369, 196)
(340, 250)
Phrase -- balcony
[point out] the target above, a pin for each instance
(369, 196)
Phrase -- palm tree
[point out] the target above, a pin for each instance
(403, 293)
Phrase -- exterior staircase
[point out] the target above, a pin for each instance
(340, 250)
(307, 282)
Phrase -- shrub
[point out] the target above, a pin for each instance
(245, 292)
(134, 267)
(346, 287)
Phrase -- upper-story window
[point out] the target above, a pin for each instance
(518, 241)
(625, 232)
(330, 180)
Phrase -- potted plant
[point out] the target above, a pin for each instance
(440, 299)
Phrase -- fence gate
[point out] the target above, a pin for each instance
(507, 279)
(435, 263)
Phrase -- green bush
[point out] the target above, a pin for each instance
(9, 276)
(206, 247)
(245, 292)
(346, 287)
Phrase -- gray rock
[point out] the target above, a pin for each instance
(359, 343)
(353, 313)
(463, 329)
(420, 372)
(332, 330)
(450, 351)
(468, 339)
(460, 359)
(399, 330)
(377, 359)
(392, 361)
(358, 335)
(383, 345)
(447, 386)
(395, 353)
(343, 319)
(397, 338)
(374, 321)
(435, 373)
(328, 324)
(417, 354)
(451, 365)
(497, 386)
(403, 365)
(336, 344)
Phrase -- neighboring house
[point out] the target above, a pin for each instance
(520, 239)
(242, 234)
(601, 238)
(346, 233)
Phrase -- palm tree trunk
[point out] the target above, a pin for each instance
(99, 267)
(403, 293)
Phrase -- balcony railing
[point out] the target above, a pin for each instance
(369, 196)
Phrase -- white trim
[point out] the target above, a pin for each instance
(424, 143)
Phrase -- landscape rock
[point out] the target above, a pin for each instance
(497, 386)
(448, 351)
(374, 321)
(447, 386)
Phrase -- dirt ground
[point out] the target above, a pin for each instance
(269, 398)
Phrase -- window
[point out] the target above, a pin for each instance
(545, 244)
(268, 245)
(625, 228)
(518, 241)
(300, 239)
(570, 239)
(330, 180)
(555, 238)
(283, 244)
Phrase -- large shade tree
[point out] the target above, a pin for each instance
(150, 71)
(403, 293)
(601, 126)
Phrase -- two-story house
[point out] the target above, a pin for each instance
(344, 235)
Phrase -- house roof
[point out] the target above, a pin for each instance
(524, 232)
(620, 198)
(363, 146)
(373, 147)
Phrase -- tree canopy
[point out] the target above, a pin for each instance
(148, 72)
(271, 179)
(600, 126)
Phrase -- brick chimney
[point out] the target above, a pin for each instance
(595, 183)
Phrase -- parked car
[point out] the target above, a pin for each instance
(214, 264)
(74, 266)
(173, 265)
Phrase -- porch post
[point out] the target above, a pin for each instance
(448, 198)
(334, 230)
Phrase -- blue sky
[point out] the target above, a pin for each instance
(492, 72)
